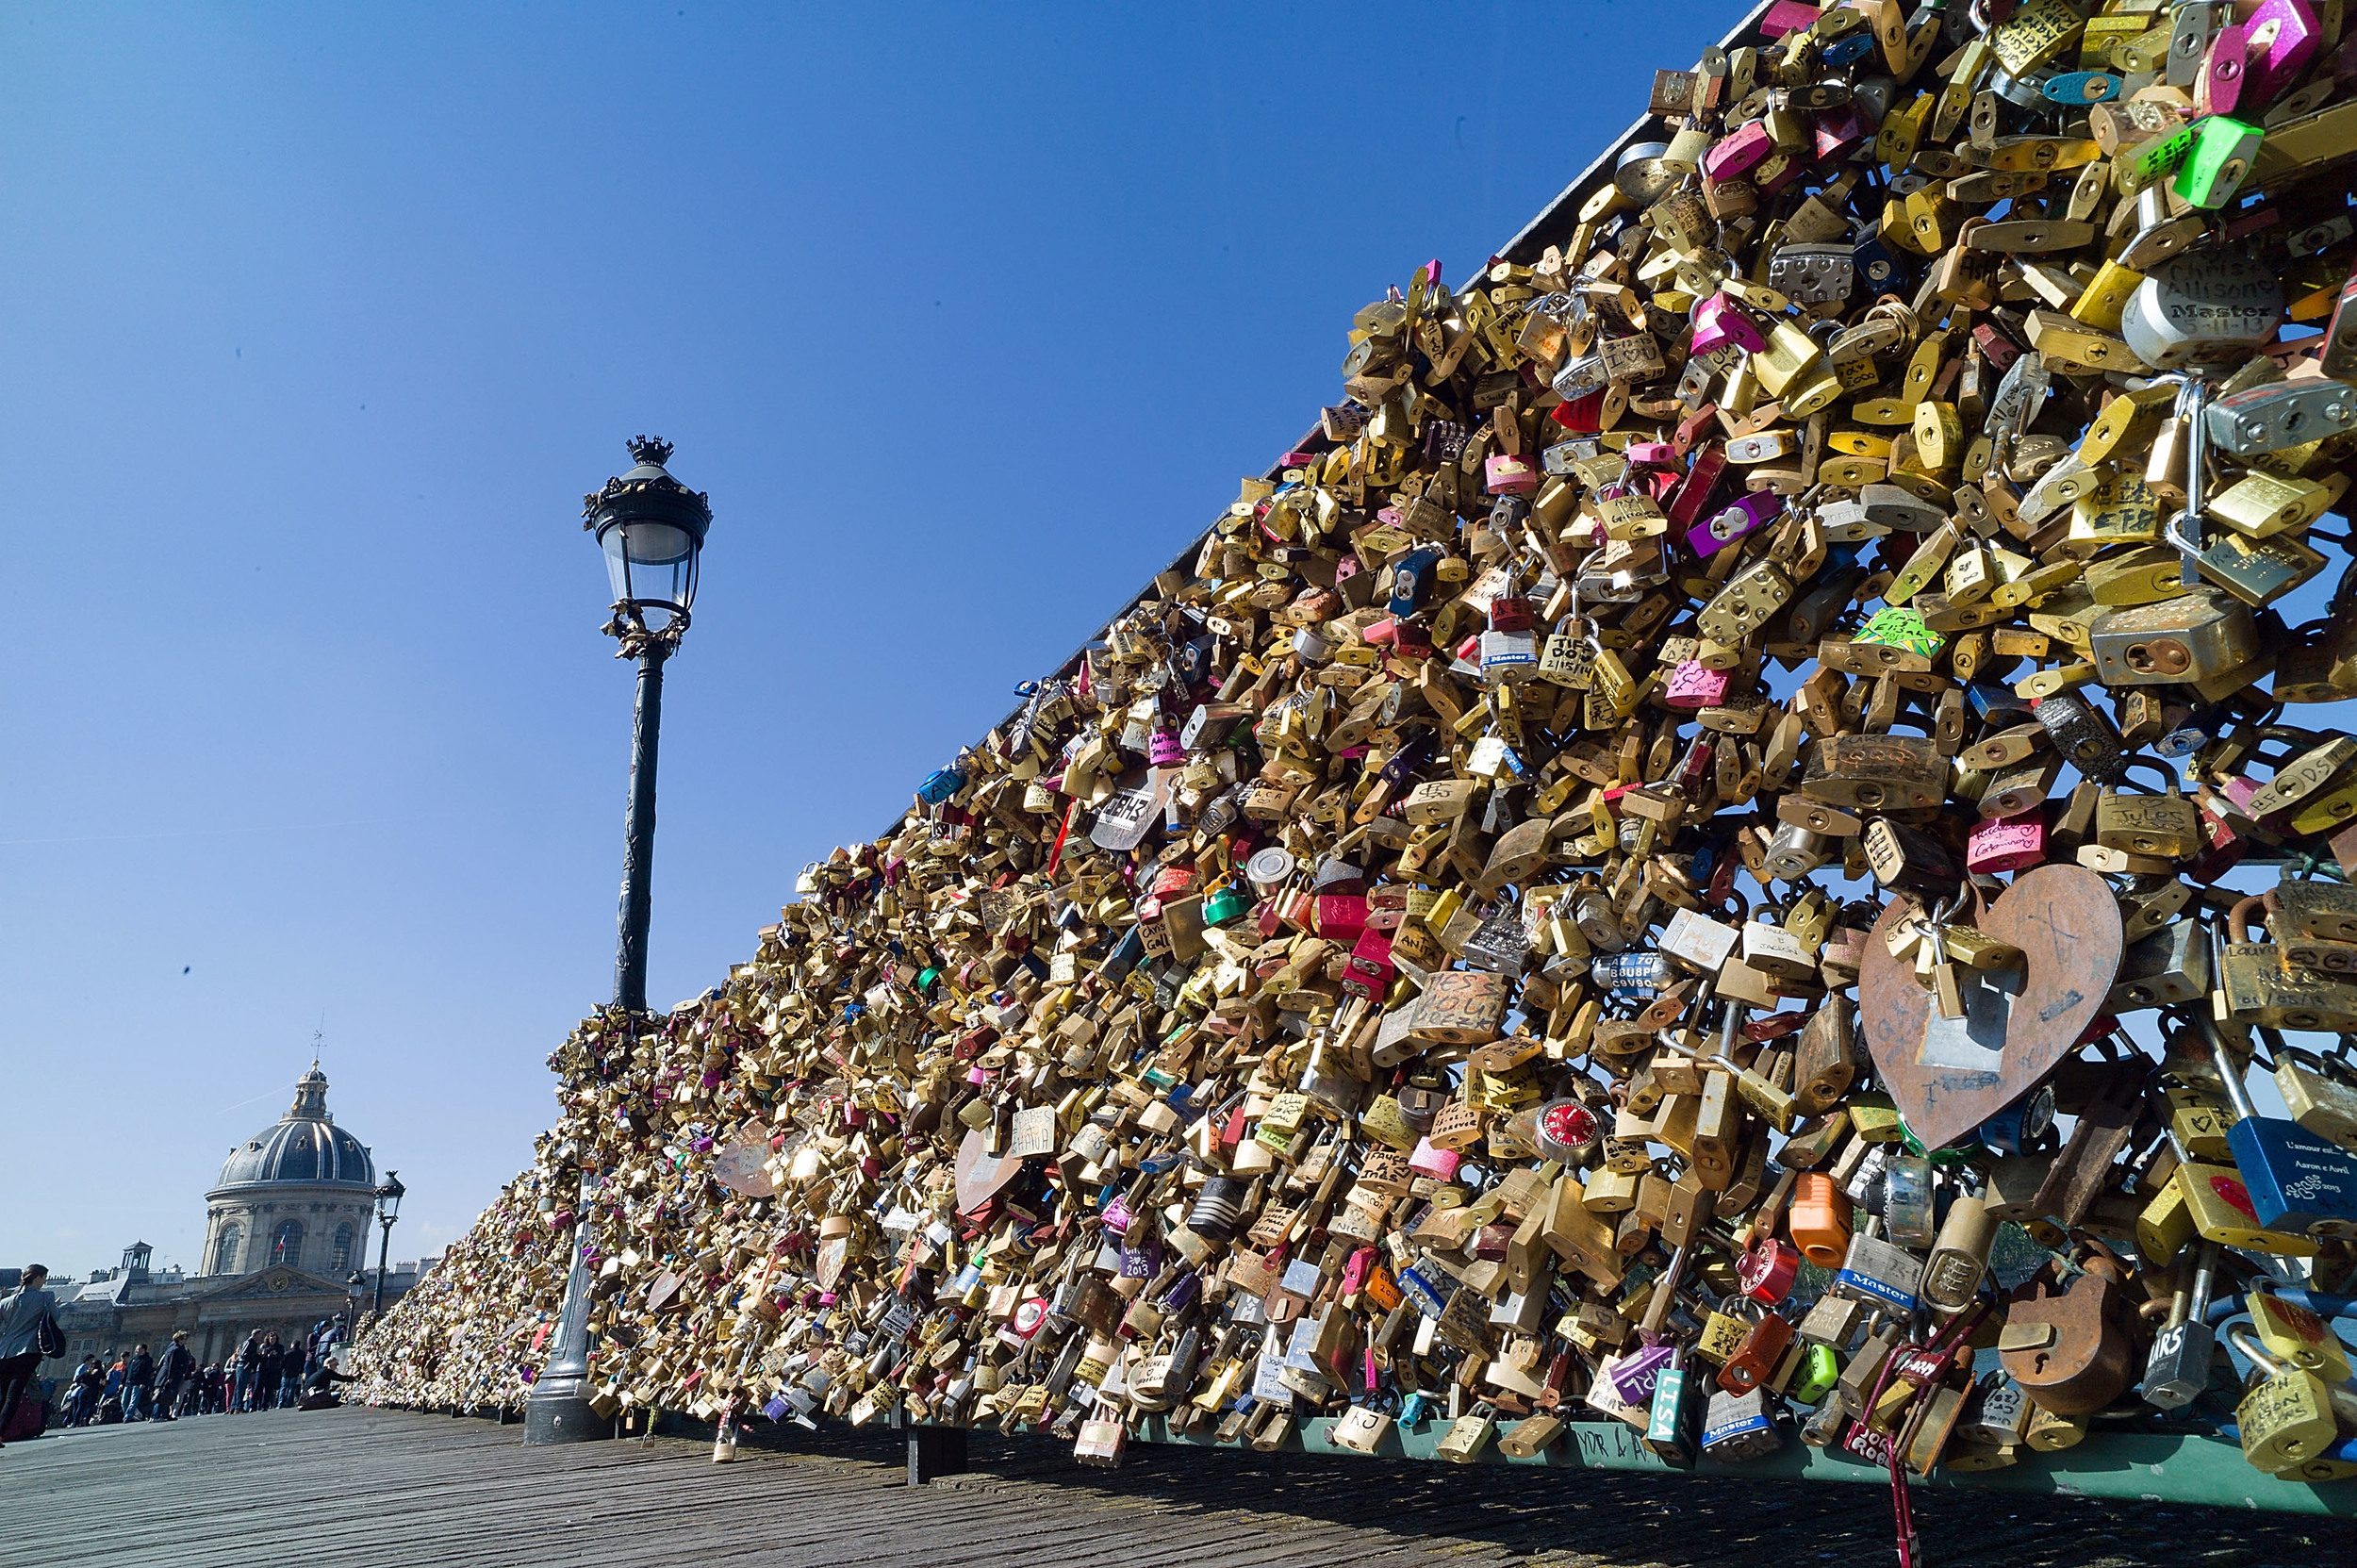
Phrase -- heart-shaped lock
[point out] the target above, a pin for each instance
(1947, 1076)
(980, 1173)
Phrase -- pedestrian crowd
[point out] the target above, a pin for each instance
(265, 1373)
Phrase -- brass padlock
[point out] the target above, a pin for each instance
(2166, 826)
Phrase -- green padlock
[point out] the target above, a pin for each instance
(1819, 1369)
(1900, 629)
(1223, 906)
(2214, 171)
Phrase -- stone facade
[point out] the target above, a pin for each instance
(290, 1218)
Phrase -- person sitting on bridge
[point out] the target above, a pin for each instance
(319, 1389)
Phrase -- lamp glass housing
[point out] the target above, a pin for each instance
(651, 565)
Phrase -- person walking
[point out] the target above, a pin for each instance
(249, 1370)
(27, 1330)
(173, 1376)
(216, 1396)
(139, 1384)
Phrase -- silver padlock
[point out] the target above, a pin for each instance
(2204, 306)
(2283, 414)
(1813, 275)
(1879, 1271)
(1737, 1426)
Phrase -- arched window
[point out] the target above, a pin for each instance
(225, 1250)
(286, 1248)
(341, 1259)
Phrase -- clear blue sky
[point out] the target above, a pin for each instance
(317, 321)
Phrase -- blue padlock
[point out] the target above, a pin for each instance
(1411, 578)
(2298, 1183)
(2018, 1128)
(1849, 50)
(940, 785)
(2082, 87)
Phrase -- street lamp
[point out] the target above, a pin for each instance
(388, 1211)
(652, 529)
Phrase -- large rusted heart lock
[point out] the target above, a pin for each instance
(980, 1173)
(1947, 1076)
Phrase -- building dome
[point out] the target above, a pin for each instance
(303, 1146)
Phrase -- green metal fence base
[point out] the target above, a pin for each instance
(2186, 1469)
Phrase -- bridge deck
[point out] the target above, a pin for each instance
(390, 1488)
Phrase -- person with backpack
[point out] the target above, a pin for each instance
(28, 1331)
(139, 1384)
(173, 1376)
(249, 1369)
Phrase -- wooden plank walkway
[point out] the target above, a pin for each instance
(390, 1489)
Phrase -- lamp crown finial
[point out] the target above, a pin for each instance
(652, 450)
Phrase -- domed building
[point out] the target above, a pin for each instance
(286, 1225)
(296, 1195)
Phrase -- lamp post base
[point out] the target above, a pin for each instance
(564, 1418)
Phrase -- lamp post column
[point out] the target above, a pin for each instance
(646, 734)
(652, 530)
(384, 1248)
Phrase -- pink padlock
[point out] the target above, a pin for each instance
(2241, 790)
(1836, 132)
(2006, 844)
(1370, 969)
(2225, 71)
(1439, 1164)
(1341, 917)
(1651, 454)
(1738, 153)
(1719, 323)
(2282, 37)
(1162, 748)
(1693, 686)
(1507, 473)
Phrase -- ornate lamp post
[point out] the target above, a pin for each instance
(652, 529)
(388, 1211)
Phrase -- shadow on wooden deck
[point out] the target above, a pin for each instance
(390, 1489)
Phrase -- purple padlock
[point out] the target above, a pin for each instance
(1633, 1380)
(1162, 748)
(1116, 1217)
(1719, 323)
(1748, 515)
(1183, 1293)
(1141, 1262)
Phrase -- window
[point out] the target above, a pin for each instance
(341, 1260)
(286, 1248)
(225, 1250)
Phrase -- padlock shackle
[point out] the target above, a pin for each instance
(2324, 1306)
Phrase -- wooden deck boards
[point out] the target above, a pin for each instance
(390, 1488)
